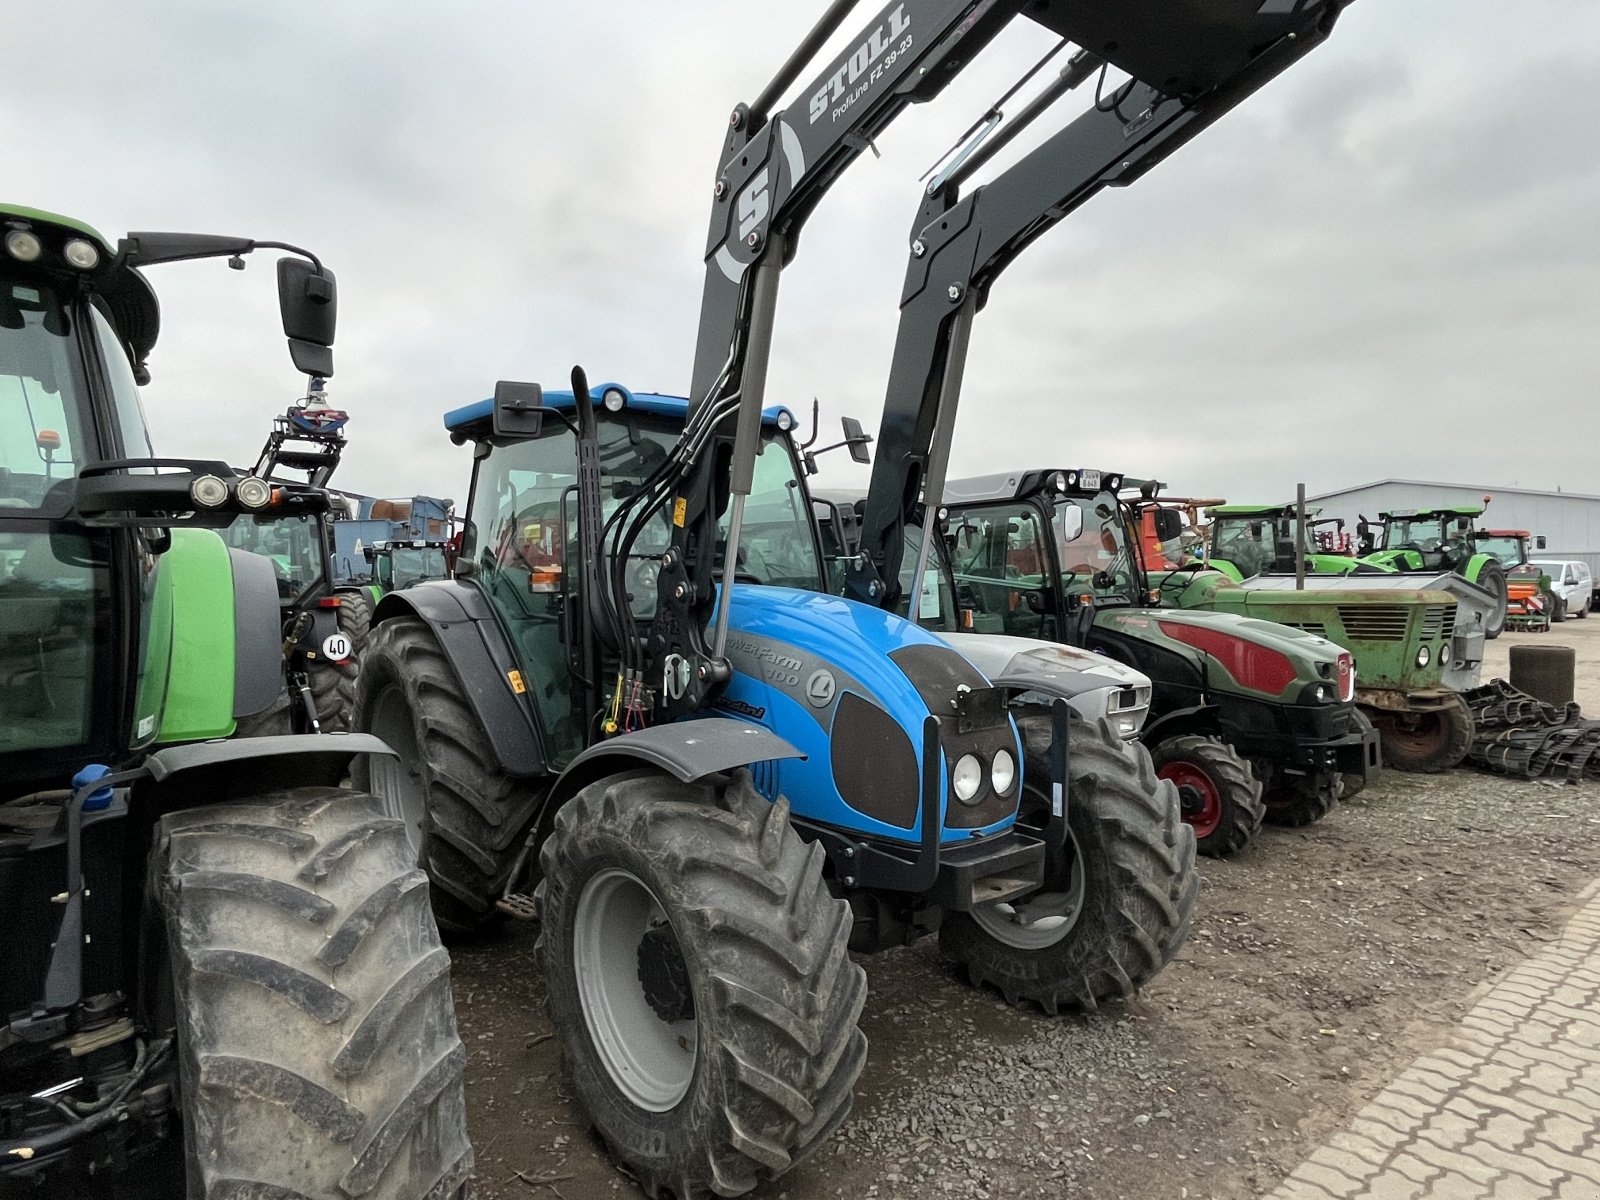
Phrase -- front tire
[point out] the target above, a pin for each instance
(1116, 902)
(1301, 800)
(466, 818)
(698, 980)
(1219, 795)
(318, 1055)
(1426, 742)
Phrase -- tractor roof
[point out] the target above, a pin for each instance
(1008, 485)
(128, 295)
(474, 419)
(1259, 510)
(1510, 533)
(1444, 510)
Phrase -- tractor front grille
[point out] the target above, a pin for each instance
(1375, 622)
(1438, 621)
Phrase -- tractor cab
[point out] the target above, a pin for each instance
(1031, 552)
(520, 547)
(1433, 539)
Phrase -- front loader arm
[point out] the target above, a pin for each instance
(960, 245)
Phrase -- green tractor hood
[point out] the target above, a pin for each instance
(1402, 638)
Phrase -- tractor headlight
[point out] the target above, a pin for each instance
(24, 245)
(785, 421)
(614, 400)
(967, 778)
(253, 492)
(1423, 657)
(81, 254)
(1002, 772)
(208, 492)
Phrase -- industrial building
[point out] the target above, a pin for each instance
(1569, 521)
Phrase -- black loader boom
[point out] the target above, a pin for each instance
(1191, 61)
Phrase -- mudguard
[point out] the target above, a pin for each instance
(210, 772)
(687, 750)
(473, 641)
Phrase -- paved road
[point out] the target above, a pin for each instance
(1509, 1111)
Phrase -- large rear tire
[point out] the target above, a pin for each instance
(698, 980)
(1218, 794)
(1300, 800)
(1426, 742)
(317, 1047)
(465, 817)
(1116, 902)
(1492, 576)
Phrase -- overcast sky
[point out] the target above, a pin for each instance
(1385, 263)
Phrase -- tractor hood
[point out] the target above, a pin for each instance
(1261, 630)
(852, 688)
(998, 655)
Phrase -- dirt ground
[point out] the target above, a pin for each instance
(1322, 960)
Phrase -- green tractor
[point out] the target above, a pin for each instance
(222, 977)
(1248, 719)
(1432, 548)
(1417, 643)
(397, 565)
(324, 623)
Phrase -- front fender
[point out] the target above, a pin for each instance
(211, 772)
(686, 750)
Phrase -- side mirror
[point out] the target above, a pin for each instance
(857, 439)
(309, 302)
(1169, 524)
(1072, 522)
(1540, 542)
(518, 409)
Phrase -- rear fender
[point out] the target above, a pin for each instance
(215, 772)
(1199, 719)
(484, 664)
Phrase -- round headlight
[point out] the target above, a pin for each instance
(23, 245)
(208, 492)
(81, 254)
(1059, 482)
(1423, 656)
(785, 421)
(1321, 694)
(1003, 772)
(253, 492)
(968, 778)
(614, 400)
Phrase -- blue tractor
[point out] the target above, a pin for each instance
(636, 715)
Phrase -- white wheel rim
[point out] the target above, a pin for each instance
(650, 1060)
(1038, 921)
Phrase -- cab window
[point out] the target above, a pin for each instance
(41, 434)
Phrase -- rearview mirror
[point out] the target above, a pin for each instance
(1072, 523)
(1169, 524)
(518, 409)
(857, 439)
(1539, 542)
(308, 301)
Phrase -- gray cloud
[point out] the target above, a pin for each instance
(1385, 263)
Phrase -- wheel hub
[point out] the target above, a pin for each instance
(664, 975)
(1198, 798)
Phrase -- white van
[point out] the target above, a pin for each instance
(1571, 582)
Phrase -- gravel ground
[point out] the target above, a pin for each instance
(1322, 961)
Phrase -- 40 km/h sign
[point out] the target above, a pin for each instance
(336, 647)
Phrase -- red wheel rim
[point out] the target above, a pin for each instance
(1198, 796)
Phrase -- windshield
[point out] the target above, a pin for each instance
(1244, 541)
(1092, 541)
(1424, 533)
(292, 543)
(407, 566)
(41, 435)
(1507, 549)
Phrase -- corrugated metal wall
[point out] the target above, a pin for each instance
(1570, 522)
